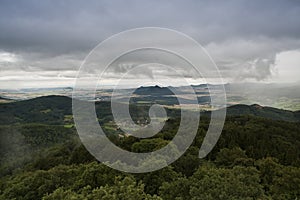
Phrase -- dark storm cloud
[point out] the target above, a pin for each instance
(55, 35)
(80, 24)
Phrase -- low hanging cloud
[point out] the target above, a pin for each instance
(243, 59)
(259, 69)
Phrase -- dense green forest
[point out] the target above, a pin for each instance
(256, 157)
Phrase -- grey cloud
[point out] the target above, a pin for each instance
(56, 35)
(71, 25)
(32, 62)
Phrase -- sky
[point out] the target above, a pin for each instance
(43, 43)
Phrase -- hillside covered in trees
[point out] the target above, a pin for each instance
(256, 157)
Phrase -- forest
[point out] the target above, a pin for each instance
(256, 157)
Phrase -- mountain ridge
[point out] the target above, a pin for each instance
(53, 108)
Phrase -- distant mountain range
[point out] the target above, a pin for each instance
(53, 109)
(282, 96)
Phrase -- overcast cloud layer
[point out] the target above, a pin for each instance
(46, 41)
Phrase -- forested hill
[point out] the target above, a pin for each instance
(264, 112)
(46, 109)
(53, 110)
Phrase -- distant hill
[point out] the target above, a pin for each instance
(4, 98)
(265, 112)
(157, 90)
(153, 90)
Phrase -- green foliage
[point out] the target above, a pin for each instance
(148, 145)
(189, 162)
(42, 158)
(123, 189)
(261, 138)
(23, 144)
(286, 184)
(154, 180)
(36, 184)
(228, 157)
(81, 155)
(236, 183)
(216, 183)
(177, 189)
